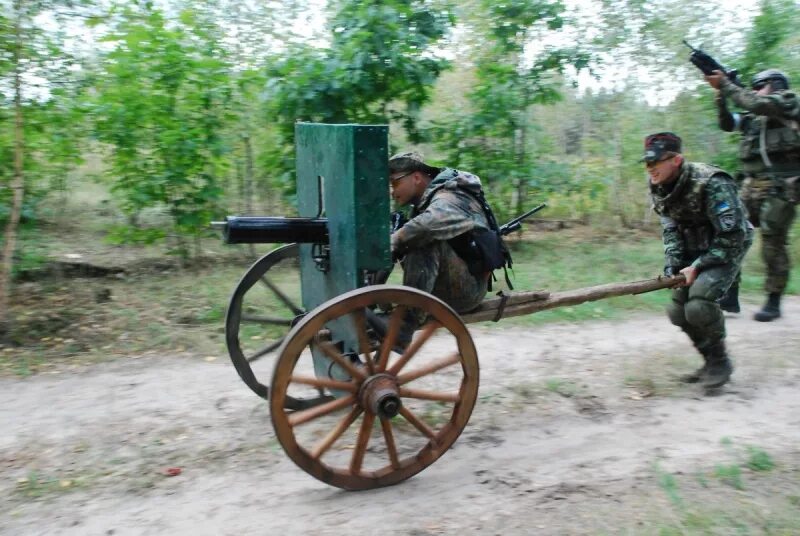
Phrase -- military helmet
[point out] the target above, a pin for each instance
(777, 79)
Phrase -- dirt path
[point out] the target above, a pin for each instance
(578, 430)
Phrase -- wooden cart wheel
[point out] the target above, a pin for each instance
(417, 401)
(262, 309)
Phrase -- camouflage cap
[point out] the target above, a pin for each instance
(410, 161)
(656, 145)
(408, 155)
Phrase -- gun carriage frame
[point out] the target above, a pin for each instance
(349, 403)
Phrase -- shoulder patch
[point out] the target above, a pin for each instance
(727, 222)
(721, 207)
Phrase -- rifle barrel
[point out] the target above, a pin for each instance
(531, 212)
(515, 224)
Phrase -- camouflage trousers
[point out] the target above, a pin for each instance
(438, 270)
(694, 309)
(770, 211)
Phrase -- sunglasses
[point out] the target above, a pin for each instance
(654, 163)
(393, 181)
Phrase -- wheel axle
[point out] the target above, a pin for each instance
(379, 395)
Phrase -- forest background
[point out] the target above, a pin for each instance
(127, 126)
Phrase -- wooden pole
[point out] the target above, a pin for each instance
(523, 303)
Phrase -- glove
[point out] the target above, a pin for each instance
(398, 219)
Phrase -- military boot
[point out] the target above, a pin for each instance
(719, 368)
(730, 300)
(771, 309)
(697, 375)
(697, 341)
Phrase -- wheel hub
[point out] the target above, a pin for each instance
(379, 395)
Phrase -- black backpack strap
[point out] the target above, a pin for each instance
(487, 210)
(505, 272)
(502, 307)
(492, 221)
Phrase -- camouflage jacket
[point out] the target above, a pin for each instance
(777, 114)
(703, 221)
(444, 211)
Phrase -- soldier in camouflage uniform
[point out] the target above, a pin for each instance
(441, 209)
(770, 155)
(706, 235)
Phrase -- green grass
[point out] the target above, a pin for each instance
(582, 258)
(669, 484)
(759, 460)
(182, 309)
(561, 387)
(717, 500)
(37, 485)
(731, 474)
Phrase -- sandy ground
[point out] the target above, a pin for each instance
(578, 430)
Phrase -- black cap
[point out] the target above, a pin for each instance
(655, 145)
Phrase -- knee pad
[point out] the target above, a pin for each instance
(676, 314)
(700, 312)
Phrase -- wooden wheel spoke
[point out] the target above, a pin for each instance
(321, 383)
(426, 430)
(427, 331)
(361, 443)
(269, 320)
(330, 350)
(363, 340)
(395, 322)
(429, 369)
(281, 296)
(304, 416)
(388, 436)
(323, 446)
(264, 351)
(423, 394)
(351, 389)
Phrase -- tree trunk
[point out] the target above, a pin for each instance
(520, 183)
(17, 183)
(248, 184)
(521, 142)
(240, 186)
(616, 185)
(586, 133)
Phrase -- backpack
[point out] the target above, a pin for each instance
(483, 249)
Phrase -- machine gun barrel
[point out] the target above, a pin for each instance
(272, 230)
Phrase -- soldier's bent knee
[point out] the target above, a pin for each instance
(701, 312)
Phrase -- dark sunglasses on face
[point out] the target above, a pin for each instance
(654, 163)
(394, 180)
